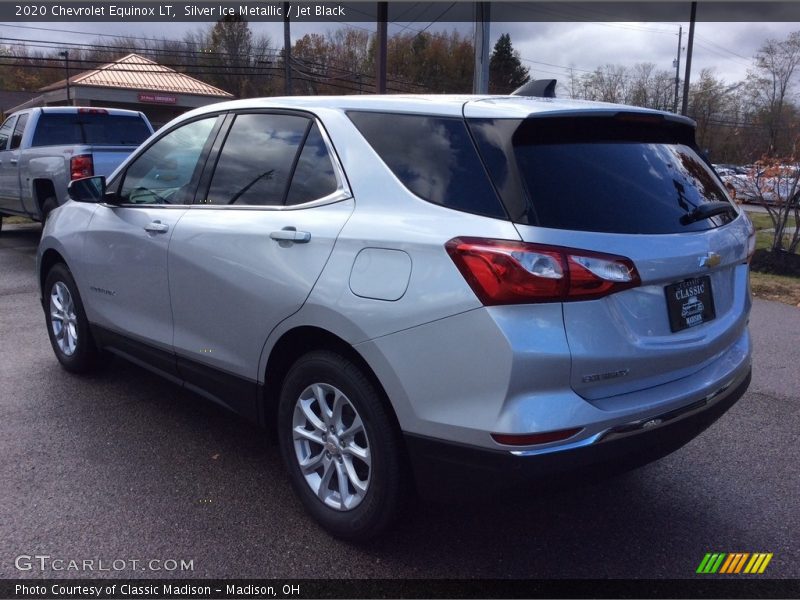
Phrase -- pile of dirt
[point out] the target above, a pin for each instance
(776, 263)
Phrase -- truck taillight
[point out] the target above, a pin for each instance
(510, 272)
(92, 111)
(81, 165)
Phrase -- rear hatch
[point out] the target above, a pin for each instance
(628, 185)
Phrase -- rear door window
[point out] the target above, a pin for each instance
(256, 162)
(314, 177)
(609, 175)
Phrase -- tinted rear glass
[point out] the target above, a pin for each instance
(607, 175)
(90, 128)
(255, 163)
(434, 157)
(313, 176)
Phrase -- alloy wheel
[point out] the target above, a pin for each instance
(63, 318)
(331, 446)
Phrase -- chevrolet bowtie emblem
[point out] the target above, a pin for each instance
(710, 260)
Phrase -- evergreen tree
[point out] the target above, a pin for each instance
(506, 72)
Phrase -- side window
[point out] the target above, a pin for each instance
(16, 138)
(433, 157)
(162, 173)
(256, 161)
(313, 176)
(5, 131)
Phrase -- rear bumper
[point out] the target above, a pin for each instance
(443, 468)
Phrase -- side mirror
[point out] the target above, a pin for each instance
(87, 189)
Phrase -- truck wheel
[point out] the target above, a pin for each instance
(67, 325)
(47, 207)
(340, 447)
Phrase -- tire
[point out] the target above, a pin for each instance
(48, 206)
(372, 492)
(67, 326)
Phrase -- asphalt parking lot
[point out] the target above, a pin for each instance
(123, 465)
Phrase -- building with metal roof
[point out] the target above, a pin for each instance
(133, 82)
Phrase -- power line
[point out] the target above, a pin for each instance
(191, 69)
(708, 41)
(111, 35)
(134, 49)
(446, 10)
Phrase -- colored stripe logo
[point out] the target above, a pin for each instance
(734, 563)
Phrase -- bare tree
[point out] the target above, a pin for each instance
(770, 83)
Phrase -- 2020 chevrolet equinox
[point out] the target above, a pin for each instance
(511, 285)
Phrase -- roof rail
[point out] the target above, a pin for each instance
(541, 88)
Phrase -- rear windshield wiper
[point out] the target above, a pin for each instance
(707, 210)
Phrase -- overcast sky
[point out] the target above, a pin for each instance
(548, 49)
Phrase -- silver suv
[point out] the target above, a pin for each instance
(479, 288)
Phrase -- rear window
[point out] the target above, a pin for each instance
(90, 128)
(434, 157)
(604, 174)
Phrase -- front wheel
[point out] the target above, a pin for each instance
(340, 447)
(67, 325)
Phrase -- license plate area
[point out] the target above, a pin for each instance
(690, 303)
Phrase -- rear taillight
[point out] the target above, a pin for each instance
(508, 272)
(81, 166)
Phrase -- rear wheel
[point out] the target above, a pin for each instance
(67, 325)
(339, 446)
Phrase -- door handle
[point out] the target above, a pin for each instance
(290, 234)
(156, 227)
(14, 161)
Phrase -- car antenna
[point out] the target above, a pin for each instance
(540, 88)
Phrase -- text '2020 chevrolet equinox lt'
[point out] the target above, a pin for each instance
(495, 285)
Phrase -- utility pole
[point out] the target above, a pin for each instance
(287, 51)
(380, 62)
(685, 107)
(480, 79)
(677, 64)
(65, 54)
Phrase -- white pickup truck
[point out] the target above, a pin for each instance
(43, 149)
